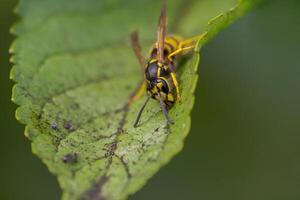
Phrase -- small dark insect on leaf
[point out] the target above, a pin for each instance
(68, 126)
(54, 126)
(70, 158)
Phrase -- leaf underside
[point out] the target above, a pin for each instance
(75, 72)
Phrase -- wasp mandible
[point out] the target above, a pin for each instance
(159, 70)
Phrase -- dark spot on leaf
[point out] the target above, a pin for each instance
(156, 130)
(69, 127)
(128, 87)
(39, 116)
(94, 193)
(54, 126)
(111, 149)
(70, 158)
(120, 130)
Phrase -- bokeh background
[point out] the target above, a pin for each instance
(245, 137)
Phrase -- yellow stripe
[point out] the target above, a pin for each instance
(168, 47)
(173, 41)
(171, 44)
(166, 82)
(158, 72)
(152, 60)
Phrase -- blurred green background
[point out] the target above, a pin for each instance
(245, 137)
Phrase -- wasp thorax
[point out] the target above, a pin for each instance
(151, 71)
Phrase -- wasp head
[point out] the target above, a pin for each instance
(160, 87)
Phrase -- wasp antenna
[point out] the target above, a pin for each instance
(161, 33)
(140, 113)
(163, 10)
(164, 110)
(136, 46)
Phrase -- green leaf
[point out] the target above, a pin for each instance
(75, 71)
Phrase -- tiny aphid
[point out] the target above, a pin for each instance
(70, 158)
(159, 70)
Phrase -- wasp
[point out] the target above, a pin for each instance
(160, 70)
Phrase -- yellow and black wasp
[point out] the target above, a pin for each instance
(159, 70)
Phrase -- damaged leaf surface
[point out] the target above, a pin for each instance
(75, 73)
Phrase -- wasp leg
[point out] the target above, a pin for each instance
(174, 79)
(186, 45)
(179, 51)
